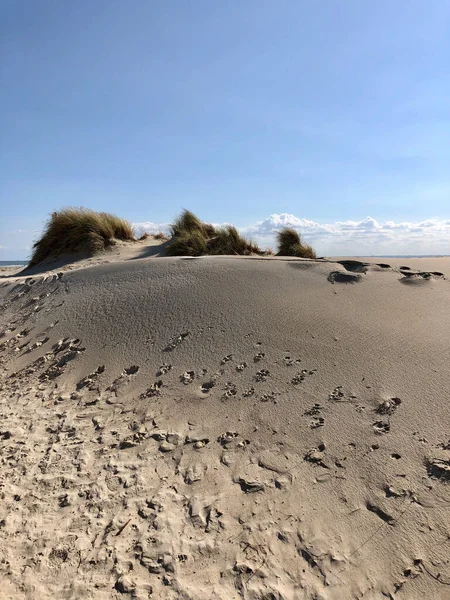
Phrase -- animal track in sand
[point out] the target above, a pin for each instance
(230, 390)
(187, 377)
(381, 427)
(270, 397)
(227, 438)
(241, 366)
(302, 376)
(124, 378)
(258, 357)
(317, 420)
(388, 407)
(289, 361)
(163, 369)
(89, 380)
(207, 386)
(317, 456)
(261, 375)
(176, 341)
(226, 359)
(153, 390)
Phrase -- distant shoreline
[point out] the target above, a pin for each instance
(13, 263)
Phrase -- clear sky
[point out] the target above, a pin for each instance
(330, 111)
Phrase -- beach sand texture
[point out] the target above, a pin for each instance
(225, 428)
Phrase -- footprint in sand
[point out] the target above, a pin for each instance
(344, 277)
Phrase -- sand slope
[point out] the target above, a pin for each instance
(224, 428)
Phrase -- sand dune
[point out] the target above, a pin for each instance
(225, 428)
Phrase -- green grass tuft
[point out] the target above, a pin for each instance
(291, 244)
(72, 230)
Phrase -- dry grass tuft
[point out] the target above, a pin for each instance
(227, 240)
(144, 236)
(161, 236)
(187, 222)
(187, 243)
(72, 230)
(291, 244)
(193, 237)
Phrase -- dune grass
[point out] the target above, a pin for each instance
(291, 244)
(72, 230)
(187, 243)
(187, 222)
(193, 237)
(227, 240)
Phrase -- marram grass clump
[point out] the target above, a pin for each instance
(291, 244)
(227, 240)
(193, 237)
(187, 222)
(187, 243)
(72, 230)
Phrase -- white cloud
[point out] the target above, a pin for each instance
(366, 237)
(149, 227)
(361, 237)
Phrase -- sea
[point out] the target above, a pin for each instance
(13, 263)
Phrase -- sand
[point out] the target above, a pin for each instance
(225, 428)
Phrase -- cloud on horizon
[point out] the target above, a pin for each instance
(366, 237)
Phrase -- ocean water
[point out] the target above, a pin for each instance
(13, 263)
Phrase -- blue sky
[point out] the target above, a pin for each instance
(328, 111)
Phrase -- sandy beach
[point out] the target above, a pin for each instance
(225, 428)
